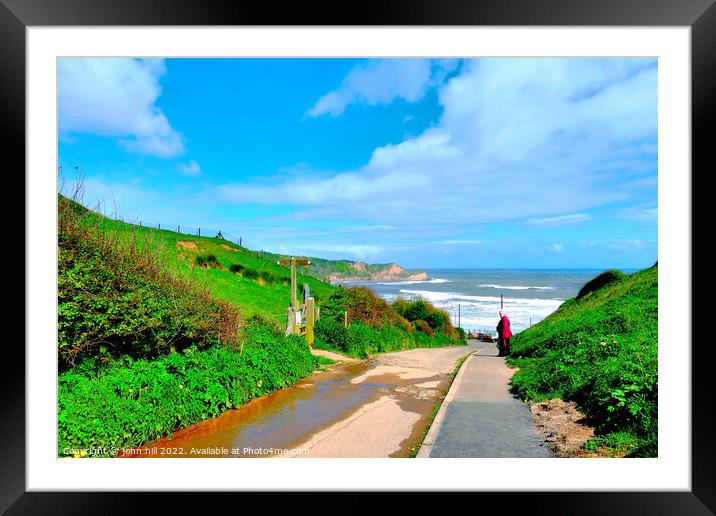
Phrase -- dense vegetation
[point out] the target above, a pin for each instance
(115, 299)
(159, 330)
(129, 402)
(600, 350)
(144, 350)
(357, 322)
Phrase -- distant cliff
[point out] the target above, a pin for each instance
(344, 270)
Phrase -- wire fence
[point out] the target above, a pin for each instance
(199, 231)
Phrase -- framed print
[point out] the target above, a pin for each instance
(254, 215)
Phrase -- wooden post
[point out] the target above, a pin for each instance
(198, 232)
(458, 315)
(294, 298)
(345, 318)
(240, 238)
(178, 229)
(310, 320)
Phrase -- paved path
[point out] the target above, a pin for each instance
(480, 418)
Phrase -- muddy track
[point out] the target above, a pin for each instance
(371, 408)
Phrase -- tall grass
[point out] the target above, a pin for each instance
(116, 298)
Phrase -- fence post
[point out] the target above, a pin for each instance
(310, 319)
(198, 232)
(159, 225)
(178, 229)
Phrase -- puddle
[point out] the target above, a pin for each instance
(286, 418)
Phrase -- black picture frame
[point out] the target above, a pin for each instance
(700, 15)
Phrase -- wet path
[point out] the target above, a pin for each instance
(372, 408)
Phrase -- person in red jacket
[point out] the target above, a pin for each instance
(503, 335)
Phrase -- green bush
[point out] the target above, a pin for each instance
(250, 274)
(422, 310)
(360, 340)
(330, 333)
(129, 402)
(604, 279)
(362, 305)
(208, 261)
(267, 276)
(422, 325)
(236, 268)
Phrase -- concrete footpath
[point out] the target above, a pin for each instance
(480, 418)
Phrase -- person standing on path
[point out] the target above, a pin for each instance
(503, 335)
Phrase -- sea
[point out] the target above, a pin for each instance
(472, 296)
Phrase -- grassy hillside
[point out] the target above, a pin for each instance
(159, 330)
(259, 285)
(146, 347)
(600, 350)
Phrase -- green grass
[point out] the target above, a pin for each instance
(249, 296)
(130, 402)
(599, 350)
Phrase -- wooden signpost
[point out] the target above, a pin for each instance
(301, 318)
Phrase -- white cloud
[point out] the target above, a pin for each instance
(557, 248)
(116, 97)
(645, 214)
(519, 139)
(561, 220)
(190, 169)
(378, 81)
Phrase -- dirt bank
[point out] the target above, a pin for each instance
(562, 427)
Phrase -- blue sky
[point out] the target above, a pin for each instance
(515, 163)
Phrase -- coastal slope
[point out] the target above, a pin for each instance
(599, 350)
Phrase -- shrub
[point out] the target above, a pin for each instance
(236, 268)
(250, 274)
(423, 326)
(604, 279)
(131, 402)
(331, 334)
(117, 299)
(422, 310)
(267, 276)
